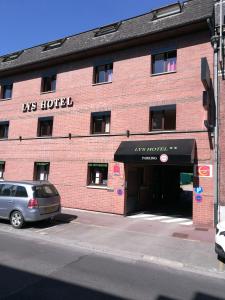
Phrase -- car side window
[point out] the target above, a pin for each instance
(1, 186)
(20, 191)
(6, 190)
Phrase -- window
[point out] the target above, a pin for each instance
(6, 190)
(48, 84)
(45, 126)
(97, 174)
(107, 29)
(12, 56)
(4, 129)
(41, 170)
(166, 11)
(20, 191)
(6, 92)
(164, 62)
(2, 170)
(53, 45)
(103, 73)
(163, 117)
(100, 122)
(45, 191)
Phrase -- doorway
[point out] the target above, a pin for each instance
(156, 189)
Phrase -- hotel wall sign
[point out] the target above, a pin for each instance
(48, 104)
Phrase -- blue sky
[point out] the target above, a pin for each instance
(26, 23)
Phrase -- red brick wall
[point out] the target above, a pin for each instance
(128, 97)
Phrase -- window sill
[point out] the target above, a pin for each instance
(164, 73)
(5, 99)
(101, 83)
(44, 137)
(3, 138)
(98, 187)
(100, 134)
(162, 131)
(48, 92)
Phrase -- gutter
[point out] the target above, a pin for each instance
(86, 52)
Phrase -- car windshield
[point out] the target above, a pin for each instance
(45, 191)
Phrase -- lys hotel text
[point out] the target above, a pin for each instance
(48, 104)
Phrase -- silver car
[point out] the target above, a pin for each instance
(28, 201)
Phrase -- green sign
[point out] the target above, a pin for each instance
(98, 165)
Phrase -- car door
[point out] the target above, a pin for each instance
(6, 200)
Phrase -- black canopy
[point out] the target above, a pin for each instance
(169, 152)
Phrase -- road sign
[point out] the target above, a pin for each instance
(203, 170)
(199, 190)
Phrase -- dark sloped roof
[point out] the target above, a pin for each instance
(193, 11)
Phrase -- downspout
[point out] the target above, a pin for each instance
(221, 32)
(216, 133)
(215, 44)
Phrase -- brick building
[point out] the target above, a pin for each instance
(219, 59)
(115, 116)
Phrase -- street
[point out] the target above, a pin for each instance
(38, 269)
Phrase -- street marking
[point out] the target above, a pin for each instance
(162, 219)
(157, 218)
(187, 223)
(46, 228)
(141, 216)
(174, 220)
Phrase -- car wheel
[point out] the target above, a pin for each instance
(16, 219)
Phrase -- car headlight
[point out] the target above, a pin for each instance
(222, 233)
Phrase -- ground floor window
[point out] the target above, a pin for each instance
(2, 169)
(41, 170)
(97, 174)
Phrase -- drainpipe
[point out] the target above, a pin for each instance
(221, 33)
(217, 43)
(216, 133)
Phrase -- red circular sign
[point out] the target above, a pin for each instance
(204, 171)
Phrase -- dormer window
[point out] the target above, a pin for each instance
(167, 11)
(107, 29)
(53, 45)
(12, 56)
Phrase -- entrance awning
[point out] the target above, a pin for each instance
(162, 152)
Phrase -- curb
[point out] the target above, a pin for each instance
(185, 267)
(125, 255)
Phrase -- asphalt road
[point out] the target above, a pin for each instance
(36, 269)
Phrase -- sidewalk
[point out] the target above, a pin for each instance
(170, 245)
